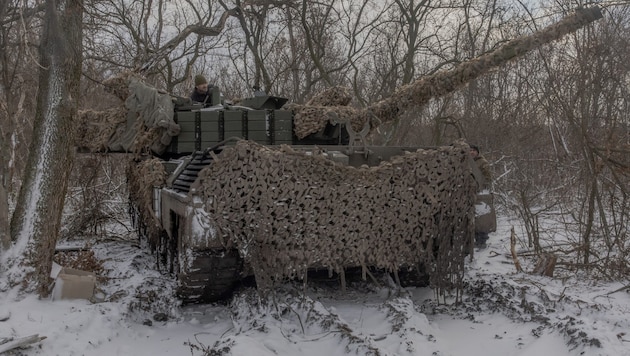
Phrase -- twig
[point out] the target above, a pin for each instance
(299, 318)
(493, 253)
(614, 291)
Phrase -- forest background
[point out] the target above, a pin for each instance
(553, 124)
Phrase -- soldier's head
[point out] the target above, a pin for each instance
(474, 150)
(201, 84)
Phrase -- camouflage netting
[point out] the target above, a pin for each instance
(95, 128)
(118, 86)
(143, 122)
(287, 211)
(329, 105)
(142, 177)
(312, 117)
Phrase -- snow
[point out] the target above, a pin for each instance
(481, 208)
(502, 313)
(202, 229)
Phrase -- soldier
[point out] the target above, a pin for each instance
(202, 93)
(481, 232)
(483, 165)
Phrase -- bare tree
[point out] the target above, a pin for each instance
(5, 237)
(414, 33)
(294, 48)
(316, 19)
(254, 24)
(587, 94)
(569, 162)
(35, 223)
(4, 208)
(164, 41)
(20, 24)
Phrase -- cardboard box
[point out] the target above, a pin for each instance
(72, 283)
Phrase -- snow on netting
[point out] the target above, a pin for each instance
(288, 211)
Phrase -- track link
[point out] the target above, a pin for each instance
(211, 276)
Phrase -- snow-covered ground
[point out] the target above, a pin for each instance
(502, 313)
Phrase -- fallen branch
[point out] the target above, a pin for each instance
(21, 342)
(619, 290)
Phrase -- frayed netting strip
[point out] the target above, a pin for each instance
(142, 177)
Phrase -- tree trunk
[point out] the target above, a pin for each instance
(5, 239)
(35, 223)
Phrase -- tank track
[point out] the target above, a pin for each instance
(416, 277)
(211, 276)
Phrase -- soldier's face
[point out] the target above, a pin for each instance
(473, 153)
(202, 88)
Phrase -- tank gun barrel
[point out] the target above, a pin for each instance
(442, 83)
(445, 82)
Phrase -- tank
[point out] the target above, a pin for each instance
(276, 191)
(242, 209)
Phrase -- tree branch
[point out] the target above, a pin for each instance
(190, 29)
(15, 14)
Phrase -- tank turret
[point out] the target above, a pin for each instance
(146, 122)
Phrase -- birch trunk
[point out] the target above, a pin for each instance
(36, 220)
